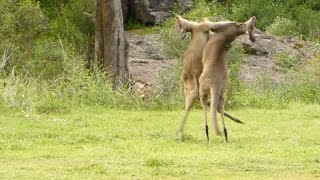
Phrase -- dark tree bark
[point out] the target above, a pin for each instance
(111, 46)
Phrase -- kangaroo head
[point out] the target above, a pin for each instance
(250, 26)
(191, 26)
(231, 30)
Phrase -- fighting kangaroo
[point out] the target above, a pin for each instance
(192, 65)
(213, 78)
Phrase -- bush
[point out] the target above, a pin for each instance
(288, 60)
(169, 91)
(235, 56)
(21, 25)
(34, 42)
(301, 85)
(75, 87)
(308, 22)
(75, 28)
(265, 11)
(283, 26)
(172, 44)
(304, 14)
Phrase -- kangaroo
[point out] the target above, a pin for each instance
(192, 66)
(213, 78)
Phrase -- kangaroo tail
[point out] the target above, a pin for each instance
(233, 118)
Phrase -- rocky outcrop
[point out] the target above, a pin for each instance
(150, 12)
(260, 57)
(185, 5)
(146, 58)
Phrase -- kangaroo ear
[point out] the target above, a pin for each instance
(250, 26)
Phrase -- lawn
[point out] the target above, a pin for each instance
(98, 143)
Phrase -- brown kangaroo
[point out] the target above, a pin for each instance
(213, 78)
(192, 66)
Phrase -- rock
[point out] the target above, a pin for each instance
(185, 5)
(260, 58)
(146, 58)
(152, 12)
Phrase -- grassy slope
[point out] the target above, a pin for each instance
(98, 143)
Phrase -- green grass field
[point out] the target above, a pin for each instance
(97, 143)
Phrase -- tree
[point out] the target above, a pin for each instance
(111, 46)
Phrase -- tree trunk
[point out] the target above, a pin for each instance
(111, 46)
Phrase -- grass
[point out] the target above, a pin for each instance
(98, 143)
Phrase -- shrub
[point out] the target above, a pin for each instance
(172, 44)
(202, 10)
(21, 25)
(34, 39)
(288, 60)
(304, 13)
(265, 11)
(300, 85)
(75, 28)
(75, 87)
(282, 26)
(308, 22)
(22, 22)
(19, 92)
(235, 56)
(169, 91)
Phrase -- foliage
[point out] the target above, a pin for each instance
(74, 27)
(282, 26)
(202, 10)
(265, 11)
(308, 22)
(264, 93)
(133, 24)
(76, 87)
(27, 34)
(304, 14)
(235, 56)
(172, 44)
(52, 7)
(169, 91)
(22, 25)
(288, 60)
